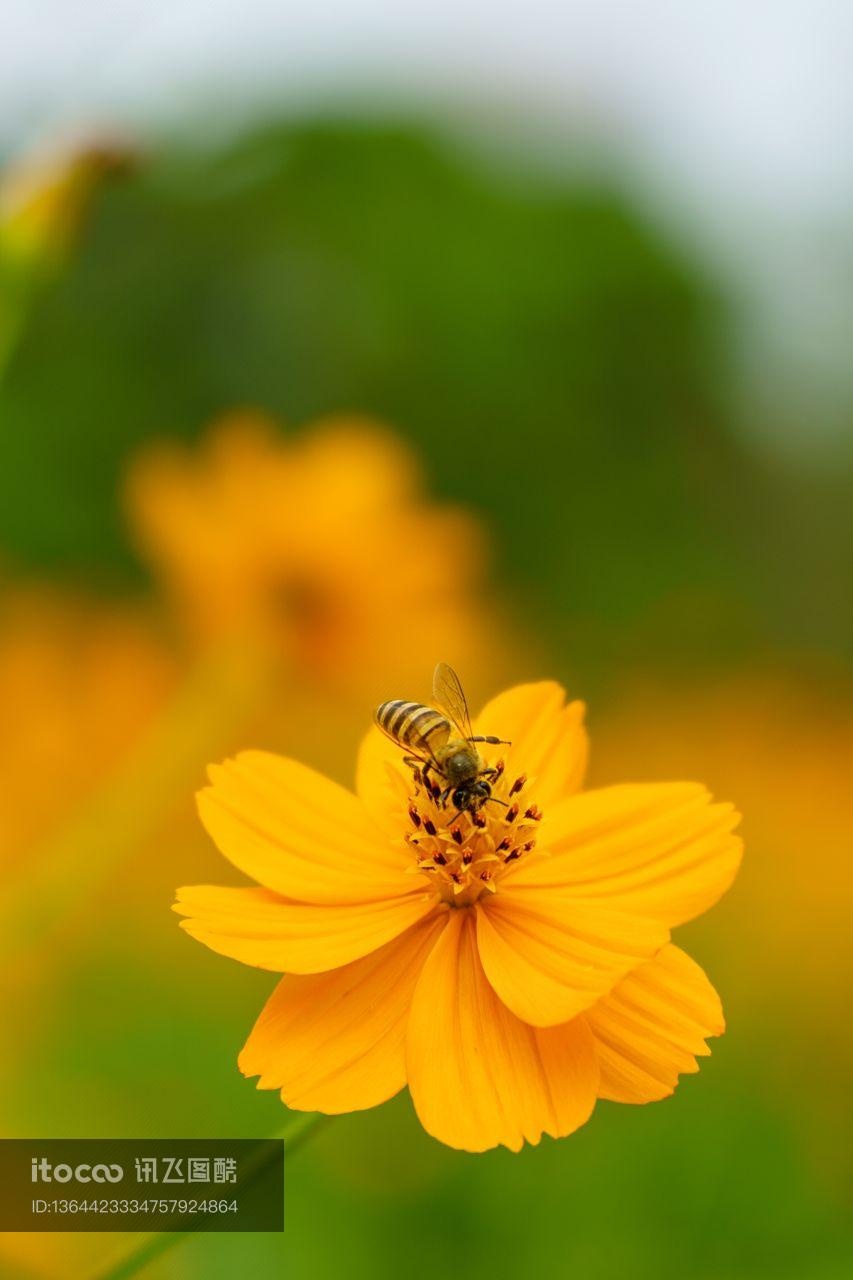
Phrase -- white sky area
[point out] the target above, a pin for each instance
(733, 120)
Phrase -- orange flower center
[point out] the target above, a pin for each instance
(465, 855)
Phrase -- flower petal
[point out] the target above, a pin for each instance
(654, 849)
(478, 1076)
(382, 782)
(335, 1042)
(298, 833)
(548, 739)
(652, 1026)
(263, 929)
(549, 957)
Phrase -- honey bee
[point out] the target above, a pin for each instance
(442, 740)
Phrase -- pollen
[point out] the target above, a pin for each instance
(465, 855)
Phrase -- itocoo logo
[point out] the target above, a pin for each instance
(44, 1171)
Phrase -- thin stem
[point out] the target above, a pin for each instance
(155, 1244)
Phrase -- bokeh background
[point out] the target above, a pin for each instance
(334, 344)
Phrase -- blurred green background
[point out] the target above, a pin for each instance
(560, 365)
(565, 371)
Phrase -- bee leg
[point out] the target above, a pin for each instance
(494, 742)
(443, 798)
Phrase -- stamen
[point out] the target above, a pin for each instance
(468, 854)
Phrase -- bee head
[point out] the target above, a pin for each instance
(472, 795)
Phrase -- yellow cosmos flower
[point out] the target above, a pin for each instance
(511, 967)
(321, 546)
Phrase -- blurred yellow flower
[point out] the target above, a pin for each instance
(321, 547)
(784, 740)
(44, 197)
(59, 1255)
(79, 683)
(510, 966)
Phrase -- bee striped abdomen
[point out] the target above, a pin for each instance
(412, 724)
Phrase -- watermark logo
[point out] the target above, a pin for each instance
(44, 1171)
(141, 1184)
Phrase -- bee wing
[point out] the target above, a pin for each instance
(449, 698)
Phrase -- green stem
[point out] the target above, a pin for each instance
(155, 1244)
